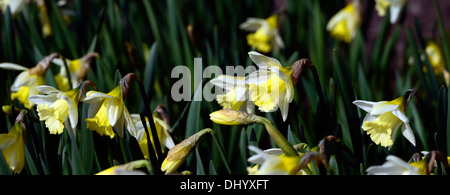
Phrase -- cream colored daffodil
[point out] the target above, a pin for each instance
(269, 164)
(383, 119)
(162, 129)
(396, 166)
(271, 86)
(344, 24)
(25, 84)
(236, 93)
(57, 108)
(12, 145)
(395, 7)
(107, 111)
(14, 5)
(266, 36)
(78, 70)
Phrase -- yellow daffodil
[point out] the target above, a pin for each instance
(273, 164)
(107, 111)
(266, 36)
(57, 107)
(435, 57)
(162, 129)
(236, 93)
(13, 147)
(178, 154)
(396, 166)
(383, 119)
(25, 84)
(395, 7)
(14, 5)
(78, 70)
(130, 168)
(271, 86)
(344, 25)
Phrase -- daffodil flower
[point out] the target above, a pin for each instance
(273, 164)
(232, 117)
(266, 36)
(78, 70)
(107, 111)
(162, 129)
(236, 93)
(14, 5)
(396, 166)
(271, 86)
(178, 154)
(435, 57)
(384, 118)
(344, 24)
(25, 84)
(395, 6)
(57, 107)
(13, 147)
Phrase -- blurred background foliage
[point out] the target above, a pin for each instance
(150, 38)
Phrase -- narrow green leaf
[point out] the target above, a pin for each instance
(200, 169)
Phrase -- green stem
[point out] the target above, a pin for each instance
(279, 139)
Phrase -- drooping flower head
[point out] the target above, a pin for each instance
(25, 84)
(108, 111)
(57, 107)
(384, 118)
(266, 36)
(344, 24)
(271, 86)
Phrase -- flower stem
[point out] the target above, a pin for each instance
(279, 139)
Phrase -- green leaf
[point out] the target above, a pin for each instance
(200, 169)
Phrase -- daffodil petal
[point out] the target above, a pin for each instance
(401, 115)
(119, 126)
(129, 121)
(258, 77)
(264, 62)
(12, 66)
(45, 89)
(43, 99)
(284, 105)
(365, 105)
(94, 107)
(22, 79)
(408, 133)
(383, 107)
(252, 24)
(114, 109)
(94, 96)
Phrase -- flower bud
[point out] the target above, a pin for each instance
(232, 117)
